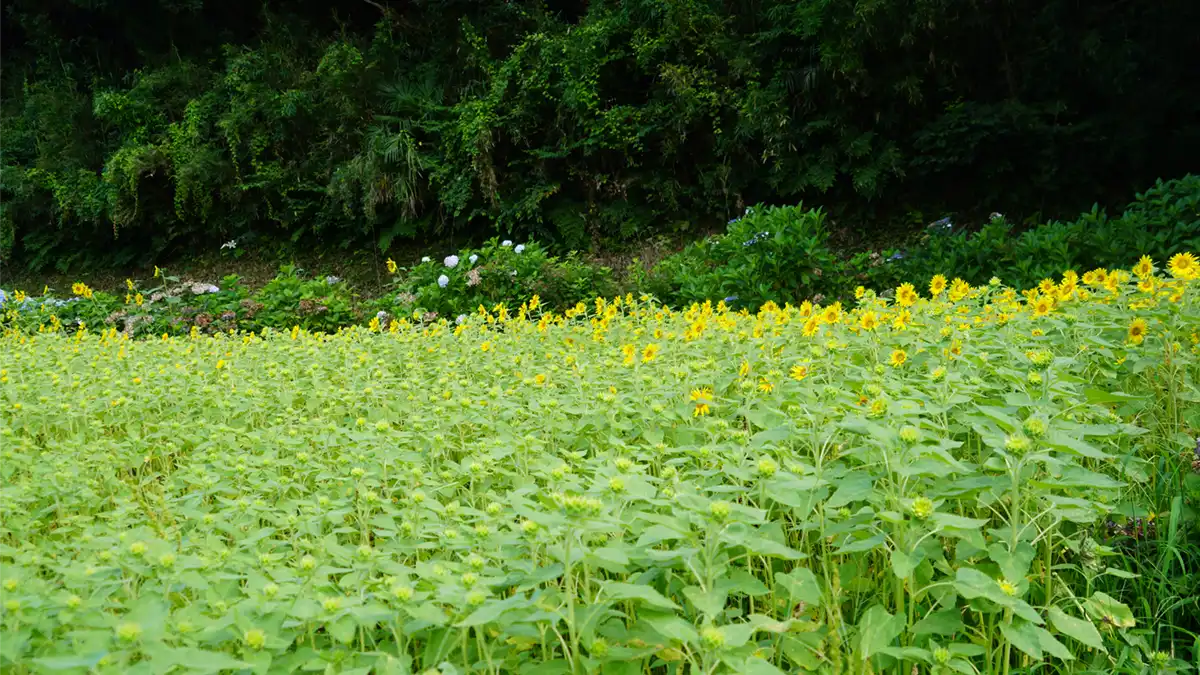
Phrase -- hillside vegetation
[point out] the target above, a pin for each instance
(137, 131)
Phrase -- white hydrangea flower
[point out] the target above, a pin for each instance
(443, 281)
(451, 261)
(473, 258)
(519, 248)
(506, 242)
(425, 259)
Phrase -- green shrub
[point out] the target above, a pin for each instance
(312, 304)
(770, 253)
(1161, 222)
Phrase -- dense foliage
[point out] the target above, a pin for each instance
(785, 253)
(767, 254)
(963, 480)
(1160, 222)
(133, 130)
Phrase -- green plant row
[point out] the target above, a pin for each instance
(774, 253)
(768, 254)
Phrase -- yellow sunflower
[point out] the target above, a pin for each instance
(937, 285)
(906, 295)
(1144, 267)
(1137, 331)
(1042, 307)
(1184, 266)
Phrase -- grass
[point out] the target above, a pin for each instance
(949, 485)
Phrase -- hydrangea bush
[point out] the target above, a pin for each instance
(497, 272)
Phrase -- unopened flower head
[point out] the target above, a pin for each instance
(922, 507)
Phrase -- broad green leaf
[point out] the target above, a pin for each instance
(971, 583)
(1094, 395)
(552, 667)
(1076, 446)
(1023, 637)
(69, 662)
(492, 609)
(656, 534)
(877, 629)
(343, 629)
(203, 660)
(742, 582)
(801, 586)
(616, 590)
(949, 520)
(1013, 564)
(1106, 608)
(613, 556)
(1120, 574)
(861, 545)
(710, 603)
(775, 435)
(1051, 645)
(670, 626)
(908, 653)
(1079, 629)
(853, 488)
(428, 613)
(944, 622)
(803, 650)
(757, 666)
(621, 668)
(903, 563)
(762, 546)
(1000, 416)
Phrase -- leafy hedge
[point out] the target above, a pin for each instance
(784, 253)
(770, 253)
(1160, 222)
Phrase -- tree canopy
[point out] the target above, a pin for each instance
(138, 129)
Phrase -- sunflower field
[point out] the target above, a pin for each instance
(941, 478)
